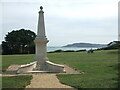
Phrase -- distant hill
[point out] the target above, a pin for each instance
(112, 45)
(86, 45)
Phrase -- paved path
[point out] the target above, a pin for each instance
(50, 80)
(46, 81)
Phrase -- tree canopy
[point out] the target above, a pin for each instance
(19, 42)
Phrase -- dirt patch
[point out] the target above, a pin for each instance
(12, 69)
(70, 70)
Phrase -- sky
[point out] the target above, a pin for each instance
(66, 21)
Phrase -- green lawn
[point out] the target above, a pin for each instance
(16, 81)
(7, 60)
(100, 68)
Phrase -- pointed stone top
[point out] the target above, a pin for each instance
(41, 7)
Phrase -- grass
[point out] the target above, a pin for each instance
(7, 60)
(16, 81)
(100, 68)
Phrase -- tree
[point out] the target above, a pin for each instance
(19, 42)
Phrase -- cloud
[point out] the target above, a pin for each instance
(66, 21)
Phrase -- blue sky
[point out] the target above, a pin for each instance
(66, 21)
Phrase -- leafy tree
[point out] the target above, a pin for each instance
(19, 42)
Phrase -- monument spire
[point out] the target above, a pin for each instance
(41, 7)
(40, 42)
(41, 25)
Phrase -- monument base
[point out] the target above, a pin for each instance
(47, 67)
(27, 67)
(54, 67)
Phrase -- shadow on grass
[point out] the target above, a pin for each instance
(114, 52)
(115, 67)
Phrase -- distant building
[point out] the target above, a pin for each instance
(114, 42)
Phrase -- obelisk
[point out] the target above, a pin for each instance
(40, 43)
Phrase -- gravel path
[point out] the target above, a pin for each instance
(70, 70)
(50, 80)
(46, 81)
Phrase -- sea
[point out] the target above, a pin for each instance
(54, 48)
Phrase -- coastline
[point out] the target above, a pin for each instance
(56, 48)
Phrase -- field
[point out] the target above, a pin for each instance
(16, 81)
(100, 68)
(7, 60)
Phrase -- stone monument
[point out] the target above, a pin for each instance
(42, 64)
(40, 42)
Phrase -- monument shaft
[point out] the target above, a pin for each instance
(40, 42)
(41, 26)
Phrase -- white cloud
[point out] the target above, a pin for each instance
(67, 20)
(85, 11)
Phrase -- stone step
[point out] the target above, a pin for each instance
(42, 72)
